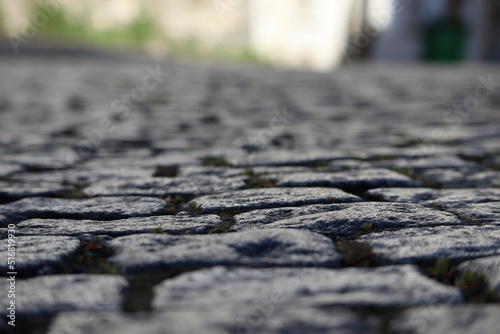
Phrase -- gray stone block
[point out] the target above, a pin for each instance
(45, 296)
(176, 225)
(456, 243)
(435, 197)
(482, 213)
(488, 266)
(37, 254)
(351, 181)
(13, 191)
(251, 199)
(288, 158)
(188, 187)
(346, 219)
(293, 319)
(100, 208)
(7, 169)
(392, 286)
(259, 248)
(459, 319)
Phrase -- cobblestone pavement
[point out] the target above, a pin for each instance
(175, 197)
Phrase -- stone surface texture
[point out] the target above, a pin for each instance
(37, 254)
(462, 319)
(488, 266)
(245, 199)
(272, 198)
(400, 286)
(105, 208)
(346, 219)
(262, 248)
(48, 295)
(430, 243)
(175, 225)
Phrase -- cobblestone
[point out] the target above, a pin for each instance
(38, 254)
(100, 199)
(70, 227)
(12, 191)
(401, 286)
(251, 199)
(105, 208)
(345, 220)
(7, 170)
(444, 319)
(488, 266)
(435, 197)
(431, 243)
(48, 295)
(350, 181)
(164, 187)
(305, 319)
(270, 248)
(482, 213)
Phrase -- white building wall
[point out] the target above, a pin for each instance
(308, 34)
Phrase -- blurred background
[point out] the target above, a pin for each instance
(318, 35)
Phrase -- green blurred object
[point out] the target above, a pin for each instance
(445, 41)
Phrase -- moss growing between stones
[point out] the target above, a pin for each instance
(71, 194)
(174, 206)
(158, 230)
(442, 271)
(162, 171)
(410, 172)
(76, 193)
(194, 208)
(91, 259)
(77, 185)
(473, 286)
(331, 200)
(320, 164)
(255, 181)
(214, 162)
(367, 227)
(210, 119)
(410, 143)
(356, 254)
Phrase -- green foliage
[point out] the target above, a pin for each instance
(158, 230)
(91, 259)
(135, 34)
(255, 181)
(367, 228)
(356, 254)
(194, 208)
(174, 206)
(71, 194)
(214, 162)
(178, 200)
(320, 164)
(408, 171)
(475, 288)
(77, 185)
(76, 193)
(442, 271)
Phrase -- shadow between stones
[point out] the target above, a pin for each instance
(139, 296)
